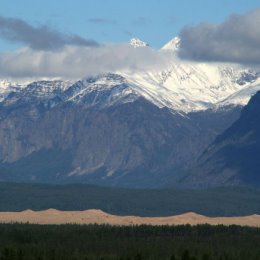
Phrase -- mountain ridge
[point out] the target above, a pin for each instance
(127, 128)
(232, 159)
(181, 86)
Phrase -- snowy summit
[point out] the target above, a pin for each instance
(181, 86)
(135, 42)
(172, 44)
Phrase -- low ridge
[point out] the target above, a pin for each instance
(95, 216)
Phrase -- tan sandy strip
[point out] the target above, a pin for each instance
(52, 216)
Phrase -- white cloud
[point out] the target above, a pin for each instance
(74, 62)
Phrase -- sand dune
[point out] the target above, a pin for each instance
(53, 216)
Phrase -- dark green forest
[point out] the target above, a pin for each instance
(93, 242)
(212, 202)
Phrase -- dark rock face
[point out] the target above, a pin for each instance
(234, 157)
(100, 131)
(132, 144)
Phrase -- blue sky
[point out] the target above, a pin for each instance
(110, 21)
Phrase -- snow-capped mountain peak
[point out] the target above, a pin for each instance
(7, 86)
(135, 42)
(182, 86)
(172, 45)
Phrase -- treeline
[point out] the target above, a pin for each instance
(93, 242)
(212, 202)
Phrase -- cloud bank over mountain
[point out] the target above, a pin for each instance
(237, 40)
(49, 53)
(75, 62)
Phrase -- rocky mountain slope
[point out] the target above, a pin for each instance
(233, 158)
(135, 129)
(133, 144)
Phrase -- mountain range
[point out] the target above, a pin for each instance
(151, 128)
(233, 158)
